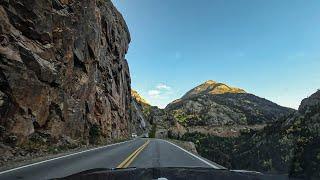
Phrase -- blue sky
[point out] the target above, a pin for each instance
(269, 48)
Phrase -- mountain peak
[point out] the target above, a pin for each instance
(210, 82)
(213, 87)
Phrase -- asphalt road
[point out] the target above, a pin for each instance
(140, 153)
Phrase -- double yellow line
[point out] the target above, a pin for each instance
(132, 156)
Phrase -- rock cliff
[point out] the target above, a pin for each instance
(149, 118)
(63, 71)
(139, 108)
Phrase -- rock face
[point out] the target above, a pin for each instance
(138, 113)
(213, 103)
(149, 119)
(63, 70)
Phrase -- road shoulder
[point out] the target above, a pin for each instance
(47, 157)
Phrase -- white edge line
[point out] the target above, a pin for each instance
(28, 165)
(202, 160)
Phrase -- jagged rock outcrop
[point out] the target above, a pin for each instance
(213, 103)
(139, 117)
(63, 70)
(148, 118)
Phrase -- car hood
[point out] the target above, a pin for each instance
(170, 173)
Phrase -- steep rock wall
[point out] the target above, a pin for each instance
(63, 70)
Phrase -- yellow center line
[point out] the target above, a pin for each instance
(132, 156)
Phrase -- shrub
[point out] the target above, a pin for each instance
(152, 133)
(94, 133)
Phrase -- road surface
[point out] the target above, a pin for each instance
(140, 153)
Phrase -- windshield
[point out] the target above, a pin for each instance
(164, 85)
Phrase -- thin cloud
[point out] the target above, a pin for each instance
(154, 93)
(162, 86)
(160, 91)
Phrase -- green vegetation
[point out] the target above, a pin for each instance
(146, 110)
(290, 145)
(305, 161)
(244, 152)
(180, 116)
(183, 118)
(291, 148)
(217, 149)
(152, 133)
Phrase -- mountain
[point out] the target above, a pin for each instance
(155, 119)
(64, 78)
(216, 104)
(143, 105)
(291, 145)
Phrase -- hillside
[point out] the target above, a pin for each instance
(291, 145)
(212, 108)
(217, 104)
